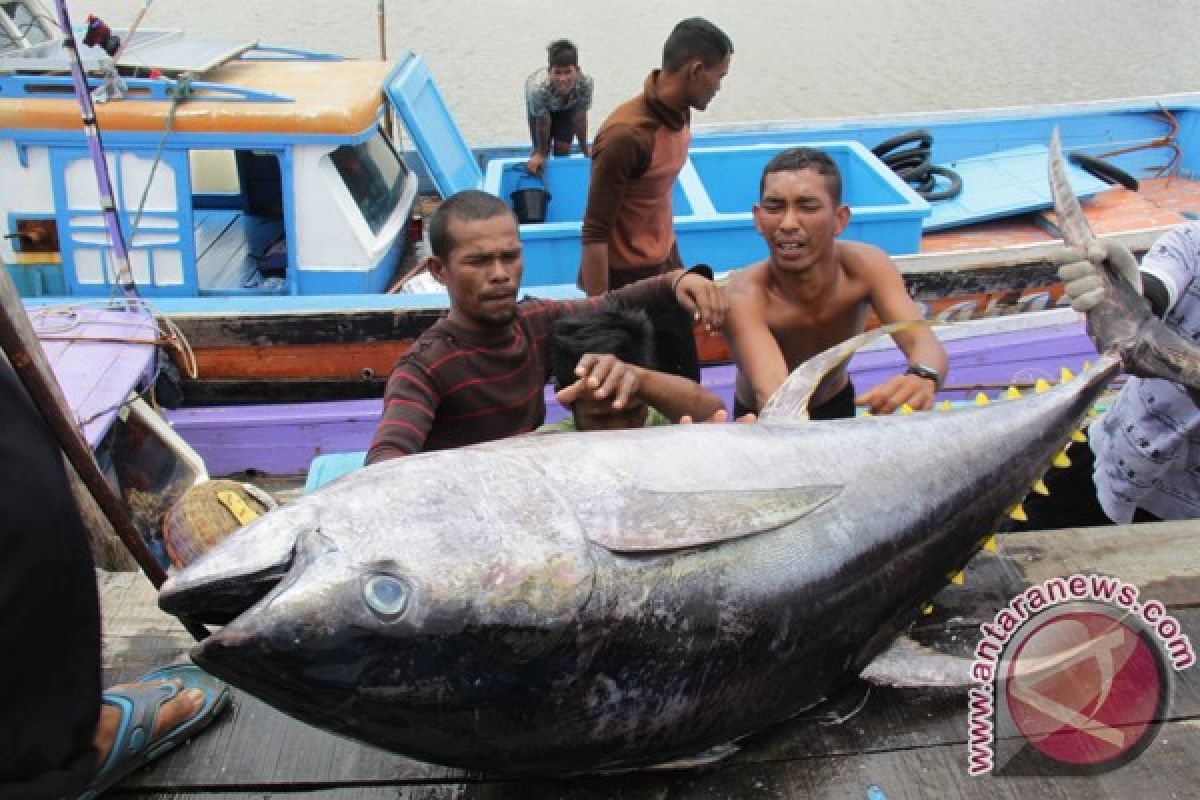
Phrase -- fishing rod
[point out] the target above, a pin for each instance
(92, 131)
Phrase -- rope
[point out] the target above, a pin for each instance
(180, 92)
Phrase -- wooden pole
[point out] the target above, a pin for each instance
(20, 344)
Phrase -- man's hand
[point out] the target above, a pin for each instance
(605, 376)
(1082, 270)
(705, 299)
(721, 416)
(536, 165)
(885, 398)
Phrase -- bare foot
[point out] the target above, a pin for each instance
(179, 708)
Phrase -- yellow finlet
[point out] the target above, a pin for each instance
(1040, 487)
(1077, 436)
(944, 405)
(1013, 393)
(905, 408)
(1065, 375)
(958, 578)
(1042, 385)
(928, 609)
(990, 544)
(1018, 514)
(1087, 365)
(1061, 461)
(981, 399)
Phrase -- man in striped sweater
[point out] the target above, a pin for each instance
(479, 373)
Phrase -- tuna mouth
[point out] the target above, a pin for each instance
(219, 601)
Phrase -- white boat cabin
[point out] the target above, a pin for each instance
(236, 169)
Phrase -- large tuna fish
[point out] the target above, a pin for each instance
(579, 602)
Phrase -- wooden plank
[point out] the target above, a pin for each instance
(1168, 768)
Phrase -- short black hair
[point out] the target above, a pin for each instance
(627, 334)
(695, 38)
(469, 204)
(796, 159)
(562, 53)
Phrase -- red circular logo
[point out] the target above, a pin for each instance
(1085, 688)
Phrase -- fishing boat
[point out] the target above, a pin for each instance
(268, 196)
(989, 359)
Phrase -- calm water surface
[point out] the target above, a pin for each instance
(793, 58)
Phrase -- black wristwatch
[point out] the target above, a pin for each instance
(926, 372)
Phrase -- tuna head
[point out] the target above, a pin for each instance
(363, 607)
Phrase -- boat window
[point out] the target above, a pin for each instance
(214, 172)
(36, 235)
(374, 174)
(29, 25)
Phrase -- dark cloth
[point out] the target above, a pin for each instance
(1072, 502)
(456, 387)
(674, 330)
(49, 613)
(840, 406)
(562, 128)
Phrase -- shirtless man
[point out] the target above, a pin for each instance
(813, 292)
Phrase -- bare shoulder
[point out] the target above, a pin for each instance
(748, 284)
(865, 261)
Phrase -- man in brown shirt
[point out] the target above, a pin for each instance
(814, 291)
(638, 153)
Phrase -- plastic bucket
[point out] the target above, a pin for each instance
(530, 200)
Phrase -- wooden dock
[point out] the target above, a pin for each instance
(904, 743)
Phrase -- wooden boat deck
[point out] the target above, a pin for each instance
(907, 743)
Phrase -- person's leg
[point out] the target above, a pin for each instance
(53, 728)
(562, 132)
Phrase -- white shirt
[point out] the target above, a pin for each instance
(1147, 444)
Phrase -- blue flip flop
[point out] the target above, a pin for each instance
(139, 706)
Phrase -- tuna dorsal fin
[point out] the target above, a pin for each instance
(790, 401)
(656, 520)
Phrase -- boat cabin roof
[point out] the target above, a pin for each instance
(319, 98)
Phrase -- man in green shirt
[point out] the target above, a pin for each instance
(600, 369)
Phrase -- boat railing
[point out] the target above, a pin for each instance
(149, 89)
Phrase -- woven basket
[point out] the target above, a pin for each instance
(200, 520)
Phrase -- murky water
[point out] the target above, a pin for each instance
(793, 58)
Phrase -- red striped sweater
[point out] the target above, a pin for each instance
(457, 387)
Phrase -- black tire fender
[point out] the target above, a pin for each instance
(924, 137)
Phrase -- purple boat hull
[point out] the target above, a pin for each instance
(284, 438)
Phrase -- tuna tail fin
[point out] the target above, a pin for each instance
(1122, 322)
(790, 401)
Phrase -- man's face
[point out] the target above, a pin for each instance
(563, 78)
(704, 82)
(599, 415)
(482, 271)
(798, 219)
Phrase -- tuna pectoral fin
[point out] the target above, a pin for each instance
(670, 520)
(790, 401)
(908, 664)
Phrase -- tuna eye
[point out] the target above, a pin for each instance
(386, 595)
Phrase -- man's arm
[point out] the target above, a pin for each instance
(606, 376)
(618, 156)
(409, 405)
(755, 350)
(892, 303)
(581, 125)
(541, 146)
